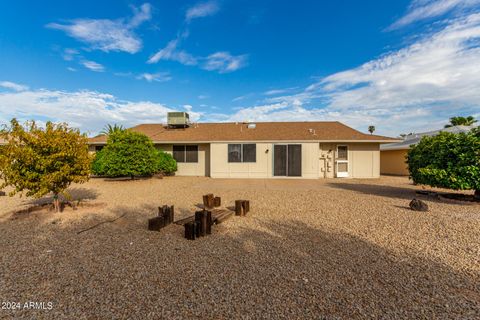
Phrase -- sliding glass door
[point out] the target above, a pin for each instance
(287, 160)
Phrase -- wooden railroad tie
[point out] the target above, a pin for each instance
(242, 207)
(210, 201)
(165, 217)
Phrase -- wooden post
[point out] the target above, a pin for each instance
(172, 214)
(239, 207)
(208, 200)
(155, 224)
(209, 222)
(167, 213)
(217, 202)
(190, 230)
(197, 229)
(246, 206)
(201, 219)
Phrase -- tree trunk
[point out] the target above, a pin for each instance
(56, 202)
(477, 194)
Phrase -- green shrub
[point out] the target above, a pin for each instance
(127, 153)
(166, 163)
(97, 164)
(447, 160)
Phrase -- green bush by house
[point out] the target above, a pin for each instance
(447, 160)
(129, 153)
(166, 163)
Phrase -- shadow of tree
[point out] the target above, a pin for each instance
(389, 191)
(376, 189)
(71, 194)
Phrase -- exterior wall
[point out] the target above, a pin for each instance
(263, 167)
(318, 161)
(200, 168)
(364, 160)
(393, 162)
(221, 168)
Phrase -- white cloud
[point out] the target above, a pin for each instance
(69, 54)
(87, 110)
(440, 68)
(224, 62)
(416, 88)
(201, 10)
(157, 77)
(13, 86)
(425, 9)
(71, 69)
(108, 35)
(92, 65)
(140, 15)
(171, 53)
(275, 92)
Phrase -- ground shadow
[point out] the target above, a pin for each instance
(391, 192)
(71, 194)
(249, 269)
(345, 276)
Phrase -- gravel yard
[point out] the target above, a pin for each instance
(325, 249)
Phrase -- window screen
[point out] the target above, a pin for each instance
(234, 153)
(342, 153)
(191, 154)
(179, 153)
(249, 153)
(342, 167)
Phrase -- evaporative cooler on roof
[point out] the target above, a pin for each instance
(178, 119)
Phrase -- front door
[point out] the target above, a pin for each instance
(287, 160)
(341, 162)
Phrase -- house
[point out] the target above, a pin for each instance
(393, 155)
(265, 149)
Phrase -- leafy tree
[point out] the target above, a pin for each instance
(43, 160)
(447, 160)
(166, 163)
(461, 121)
(371, 129)
(127, 153)
(109, 129)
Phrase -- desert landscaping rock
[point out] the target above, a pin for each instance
(418, 205)
(333, 249)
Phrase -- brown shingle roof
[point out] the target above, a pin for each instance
(263, 131)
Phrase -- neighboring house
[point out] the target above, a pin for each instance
(393, 155)
(265, 149)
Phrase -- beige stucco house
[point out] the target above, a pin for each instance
(393, 156)
(266, 149)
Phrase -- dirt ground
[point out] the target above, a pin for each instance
(324, 249)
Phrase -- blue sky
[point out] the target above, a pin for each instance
(402, 66)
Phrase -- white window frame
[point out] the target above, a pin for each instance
(337, 162)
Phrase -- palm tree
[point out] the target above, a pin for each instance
(461, 121)
(109, 129)
(371, 129)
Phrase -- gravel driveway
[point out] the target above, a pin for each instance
(324, 249)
